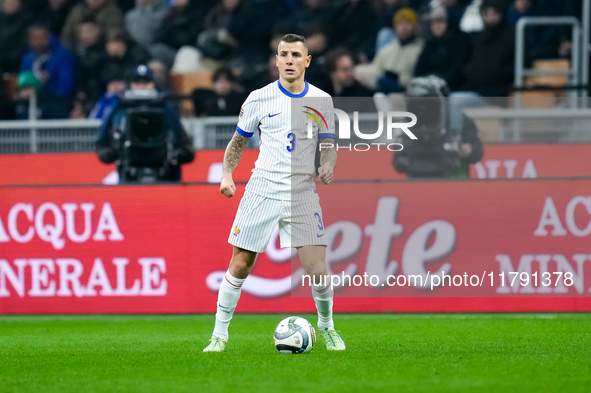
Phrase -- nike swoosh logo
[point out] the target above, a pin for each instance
(320, 235)
(222, 306)
(270, 115)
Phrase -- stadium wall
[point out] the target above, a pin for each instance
(162, 249)
(500, 161)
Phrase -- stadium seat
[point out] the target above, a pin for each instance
(549, 80)
(9, 84)
(546, 99)
(184, 84)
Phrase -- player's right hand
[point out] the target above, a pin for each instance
(227, 186)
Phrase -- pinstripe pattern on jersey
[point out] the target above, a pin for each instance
(254, 222)
(306, 225)
(276, 174)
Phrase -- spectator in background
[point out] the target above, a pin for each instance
(115, 83)
(419, 4)
(144, 20)
(455, 10)
(446, 50)
(122, 54)
(558, 39)
(385, 11)
(278, 31)
(6, 107)
(312, 13)
(224, 99)
(125, 5)
(215, 42)
(54, 13)
(542, 41)
(394, 64)
(53, 66)
(490, 68)
(91, 60)
(317, 38)
(6, 103)
(340, 66)
(355, 28)
(14, 21)
(105, 12)
(219, 16)
(180, 27)
(264, 76)
(471, 21)
(235, 33)
(519, 9)
(207, 5)
(28, 87)
(489, 72)
(161, 75)
(252, 33)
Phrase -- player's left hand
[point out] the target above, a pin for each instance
(325, 175)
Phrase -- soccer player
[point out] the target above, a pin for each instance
(281, 188)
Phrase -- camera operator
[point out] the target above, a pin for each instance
(437, 152)
(143, 134)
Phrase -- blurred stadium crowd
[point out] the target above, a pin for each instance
(75, 55)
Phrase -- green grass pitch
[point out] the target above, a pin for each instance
(385, 353)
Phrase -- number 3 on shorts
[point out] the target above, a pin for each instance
(291, 136)
(320, 225)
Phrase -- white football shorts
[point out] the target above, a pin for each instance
(300, 223)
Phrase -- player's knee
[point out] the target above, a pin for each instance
(239, 269)
(316, 270)
(241, 263)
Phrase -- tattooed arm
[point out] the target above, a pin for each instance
(328, 160)
(231, 160)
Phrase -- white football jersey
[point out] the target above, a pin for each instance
(285, 167)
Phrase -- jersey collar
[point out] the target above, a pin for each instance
(287, 93)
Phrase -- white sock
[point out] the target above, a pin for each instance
(323, 295)
(228, 296)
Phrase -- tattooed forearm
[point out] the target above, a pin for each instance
(233, 153)
(328, 154)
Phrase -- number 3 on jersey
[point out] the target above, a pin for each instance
(291, 136)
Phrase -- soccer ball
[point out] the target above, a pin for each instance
(294, 335)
